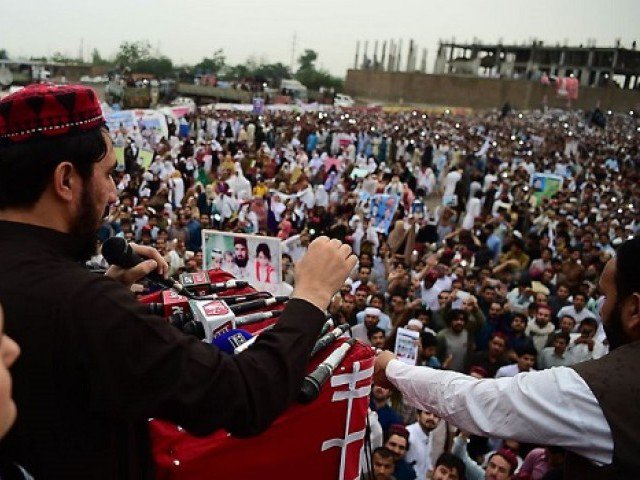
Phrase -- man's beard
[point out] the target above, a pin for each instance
(242, 262)
(616, 337)
(85, 226)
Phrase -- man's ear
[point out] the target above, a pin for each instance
(65, 181)
(632, 308)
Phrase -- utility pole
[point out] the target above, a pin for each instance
(293, 50)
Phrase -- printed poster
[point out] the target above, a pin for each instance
(545, 185)
(406, 348)
(253, 258)
(383, 208)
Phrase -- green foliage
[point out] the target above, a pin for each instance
(96, 58)
(235, 72)
(159, 66)
(59, 57)
(272, 72)
(4, 55)
(307, 59)
(211, 65)
(312, 78)
(130, 53)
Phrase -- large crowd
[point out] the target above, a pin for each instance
(494, 276)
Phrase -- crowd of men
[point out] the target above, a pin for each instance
(501, 280)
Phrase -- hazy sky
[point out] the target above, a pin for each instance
(187, 30)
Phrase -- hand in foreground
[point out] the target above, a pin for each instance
(132, 275)
(380, 367)
(323, 270)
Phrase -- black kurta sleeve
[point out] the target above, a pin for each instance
(139, 366)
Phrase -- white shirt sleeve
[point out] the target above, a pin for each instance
(553, 406)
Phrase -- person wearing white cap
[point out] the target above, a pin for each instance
(371, 318)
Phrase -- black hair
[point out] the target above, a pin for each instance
(379, 296)
(526, 350)
(372, 331)
(26, 168)
(564, 336)
(455, 313)
(589, 321)
(449, 460)
(264, 248)
(428, 340)
(383, 452)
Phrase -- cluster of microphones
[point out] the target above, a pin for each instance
(198, 307)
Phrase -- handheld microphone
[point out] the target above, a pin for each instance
(257, 317)
(312, 383)
(219, 286)
(229, 341)
(251, 341)
(155, 308)
(326, 327)
(233, 299)
(260, 303)
(116, 251)
(329, 338)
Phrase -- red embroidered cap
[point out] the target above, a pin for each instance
(47, 110)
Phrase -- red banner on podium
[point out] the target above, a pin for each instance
(317, 441)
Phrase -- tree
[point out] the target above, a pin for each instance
(159, 66)
(272, 72)
(312, 78)
(96, 58)
(236, 72)
(307, 59)
(131, 53)
(4, 55)
(59, 57)
(211, 65)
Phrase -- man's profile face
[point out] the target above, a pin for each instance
(96, 194)
(382, 467)
(398, 445)
(611, 311)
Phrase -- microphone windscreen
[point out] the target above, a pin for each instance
(114, 251)
(229, 341)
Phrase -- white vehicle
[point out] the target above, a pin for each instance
(342, 100)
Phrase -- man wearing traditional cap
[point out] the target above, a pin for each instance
(361, 330)
(95, 365)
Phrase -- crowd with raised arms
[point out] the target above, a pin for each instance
(496, 270)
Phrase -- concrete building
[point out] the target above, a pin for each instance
(593, 66)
